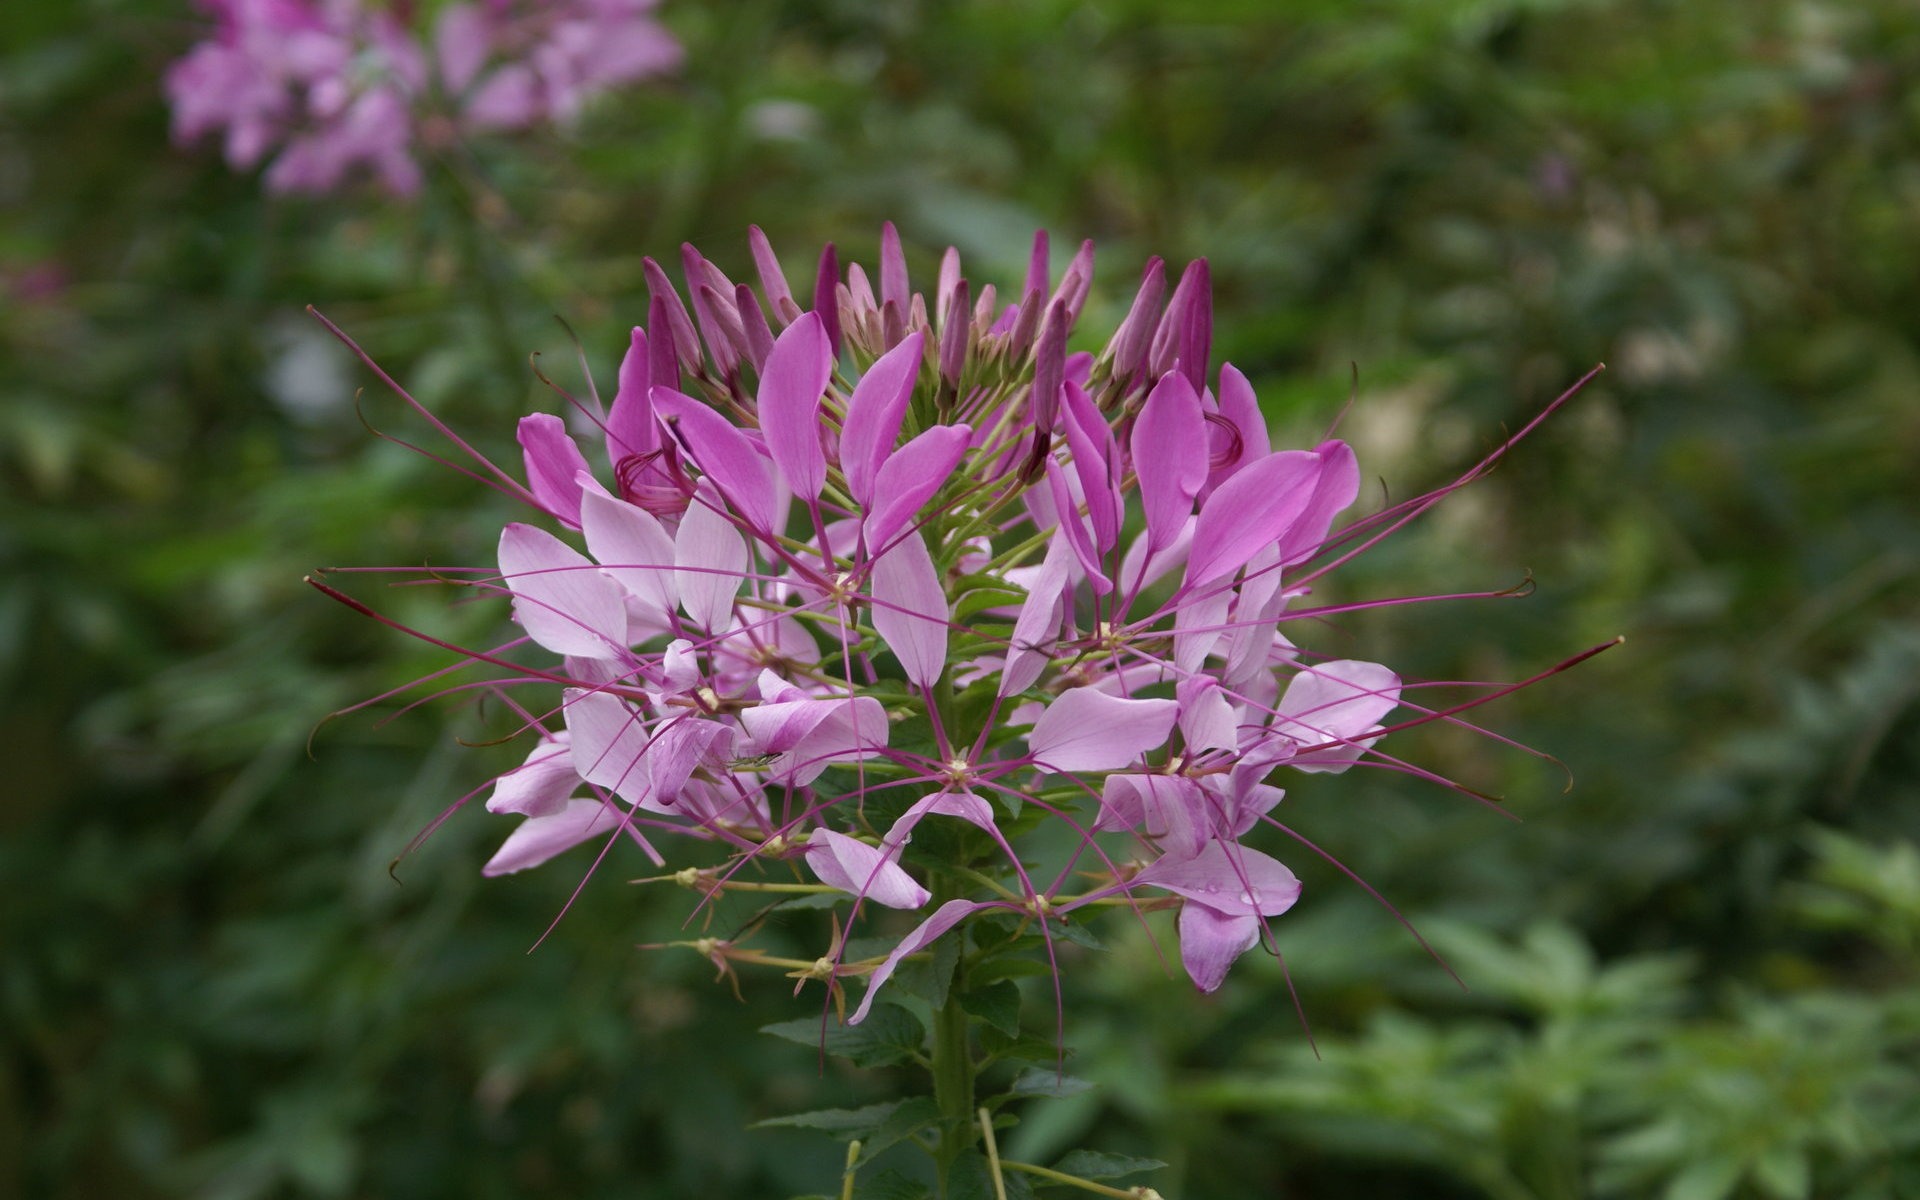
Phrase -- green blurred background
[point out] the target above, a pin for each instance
(1693, 975)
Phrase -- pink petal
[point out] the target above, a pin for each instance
(1197, 627)
(874, 413)
(1211, 940)
(553, 461)
(910, 609)
(1169, 447)
(1159, 806)
(808, 736)
(561, 599)
(853, 866)
(893, 268)
(964, 805)
(710, 558)
(538, 839)
(633, 548)
(944, 918)
(908, 479)
(1085, 729)
(1096, 463)
(791, 386)
(773, 281)
(724, 453)
(1242, 410)
(1250, 511)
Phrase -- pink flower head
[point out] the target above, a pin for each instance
(899, 557)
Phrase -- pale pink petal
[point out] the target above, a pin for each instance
(1169, 807)
(1207, 719)
(1197, 627)
(541, 786)
(789, 401)
(853, 866)
(561, 599)
(808, 736)
(1211, 940)
(610, 744)
(1242, 411)
(1038, 624)
(711, 561)
(1084, 729)
(1226, 876)
(944, 918)
(911, 476)
(1341, 701)
(724, 453)
(462, 42)
(1253, 510)
(633, 548)
(538, 839)
(1169, 447)
(910, 609)
(874, 413)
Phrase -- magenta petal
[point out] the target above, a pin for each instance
(1242, 410)
(1169, 447)
(710, 561)
(1096, 463)
(538, 839)
(1211, 940)
(1226, 876)
(562, 600)
(553, 461)
(1338, 486)
(633, 548)
(791, 386)
(910, 609)
(910, 478)
(542, 785)
(631, 429)
(724, 453)
(1250, 511)
(773, 281)
(853, 866)
(1085, 729)
(944, 918)
(1075, 529)
(874, 413)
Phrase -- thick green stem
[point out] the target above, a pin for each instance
(953, 1070)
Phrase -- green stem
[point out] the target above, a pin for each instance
(953, 1069)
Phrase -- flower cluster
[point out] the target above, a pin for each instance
(342, 87)
(866, 556)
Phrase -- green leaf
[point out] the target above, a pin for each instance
(931, 978)
(1070, 930)
(906, 1120)
(890, 1034)
(1029, 1047)
(972, 1179)
(1041, 1082)
(998, 1004)
(1091, 1164)
(891, 1185)
(845, 1123)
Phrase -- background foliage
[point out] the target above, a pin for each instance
(1692, 975)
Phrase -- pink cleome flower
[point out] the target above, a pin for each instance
(897, 555)
(343, 87)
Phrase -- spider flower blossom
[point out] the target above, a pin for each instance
(344, 86)
(838, 561)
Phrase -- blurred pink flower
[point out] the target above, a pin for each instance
(343, 89)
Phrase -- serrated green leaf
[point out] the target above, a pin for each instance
(1092, 1164)
(891, 1185)
(1042, 1082)
(909, 1118)
(845, 1123)
(1070, 930)
(998, 1004)
(890, 1034)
